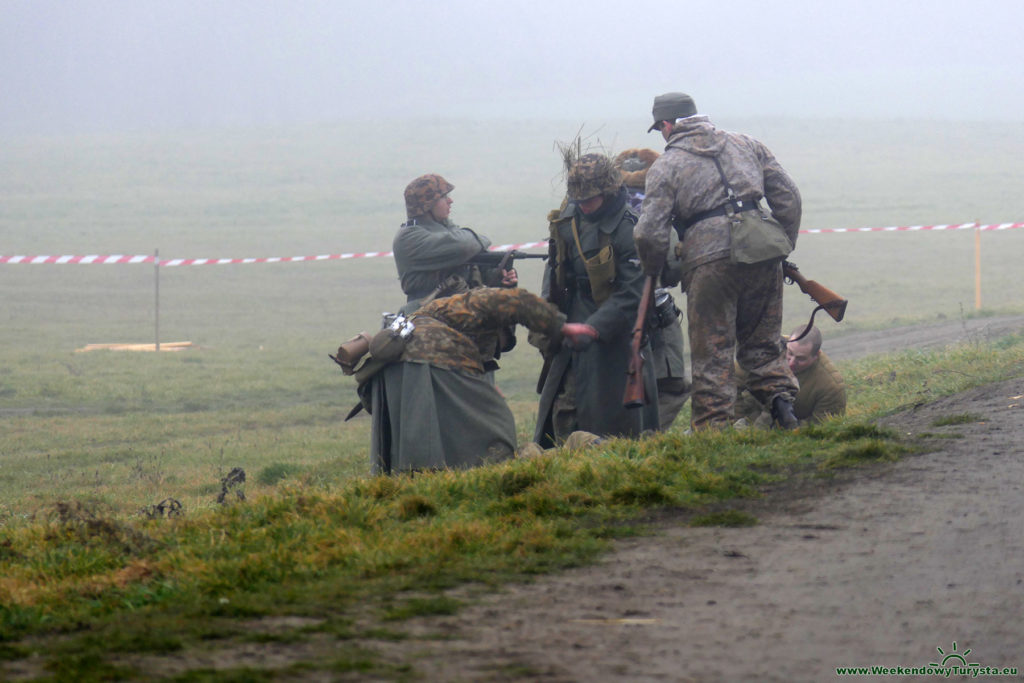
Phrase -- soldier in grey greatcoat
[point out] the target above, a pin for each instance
(593, 276)
(432, 254)
(666, 325)
(734, 309)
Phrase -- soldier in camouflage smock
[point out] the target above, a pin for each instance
(593, 276)
(431, 252)
(734, 309)
(435, 407)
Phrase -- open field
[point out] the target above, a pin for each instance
(259, 390)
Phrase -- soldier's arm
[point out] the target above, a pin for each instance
(488, 308)
(652, 231)
(831, 402)
(422, 249)
(781, 193)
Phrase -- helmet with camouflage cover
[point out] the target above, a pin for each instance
(634, 164)
(422, 193)
(591, 175)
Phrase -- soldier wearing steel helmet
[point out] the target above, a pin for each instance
(666, 325)
(594, 277)
(432, 253)
(734, 307)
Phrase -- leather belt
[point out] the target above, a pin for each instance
(746, 205)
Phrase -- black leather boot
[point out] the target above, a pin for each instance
(782, 413)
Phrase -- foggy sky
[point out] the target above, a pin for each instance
(141, 64)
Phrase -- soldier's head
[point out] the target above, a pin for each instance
(428, 194)
(592, 178)
(669, 107)
(634, 164)
(802, 353)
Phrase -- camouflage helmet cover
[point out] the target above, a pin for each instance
(634, 164)
(422, 193)
(591, 175)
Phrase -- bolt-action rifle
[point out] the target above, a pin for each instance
(832, 303)
(634, 396)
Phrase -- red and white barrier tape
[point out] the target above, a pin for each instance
(113, 259)
(953, 226)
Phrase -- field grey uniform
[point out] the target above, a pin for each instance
(734, 310)
(666, 328)
(436, 407)
(595, 377)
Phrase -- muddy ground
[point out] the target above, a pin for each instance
(906, 564)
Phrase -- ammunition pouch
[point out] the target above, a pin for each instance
(600, 267)
(601, 273)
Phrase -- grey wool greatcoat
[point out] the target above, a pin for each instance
(427, 251)
(437, 407)
(599, 370)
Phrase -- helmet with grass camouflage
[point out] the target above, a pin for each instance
(591, 175)
(422, 193)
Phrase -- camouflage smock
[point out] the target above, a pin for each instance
(459, 332)
(684, 182)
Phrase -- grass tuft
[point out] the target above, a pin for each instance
(725, 518)
(275, 472)
(960, 419)
(412, 507)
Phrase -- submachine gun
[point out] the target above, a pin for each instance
(502, 260)
(827, 300)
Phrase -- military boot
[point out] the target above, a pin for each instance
(782, 413)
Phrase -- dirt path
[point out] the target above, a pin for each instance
(931, 336)
(880, 568)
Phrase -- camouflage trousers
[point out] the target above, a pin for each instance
(735, 312)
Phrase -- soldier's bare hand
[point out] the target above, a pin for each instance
(579, 335)
(509, 278)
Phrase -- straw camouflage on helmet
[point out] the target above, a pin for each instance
(422, 193)
(591, 175)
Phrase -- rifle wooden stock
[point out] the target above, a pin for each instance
(634, 395)
(833, 304)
